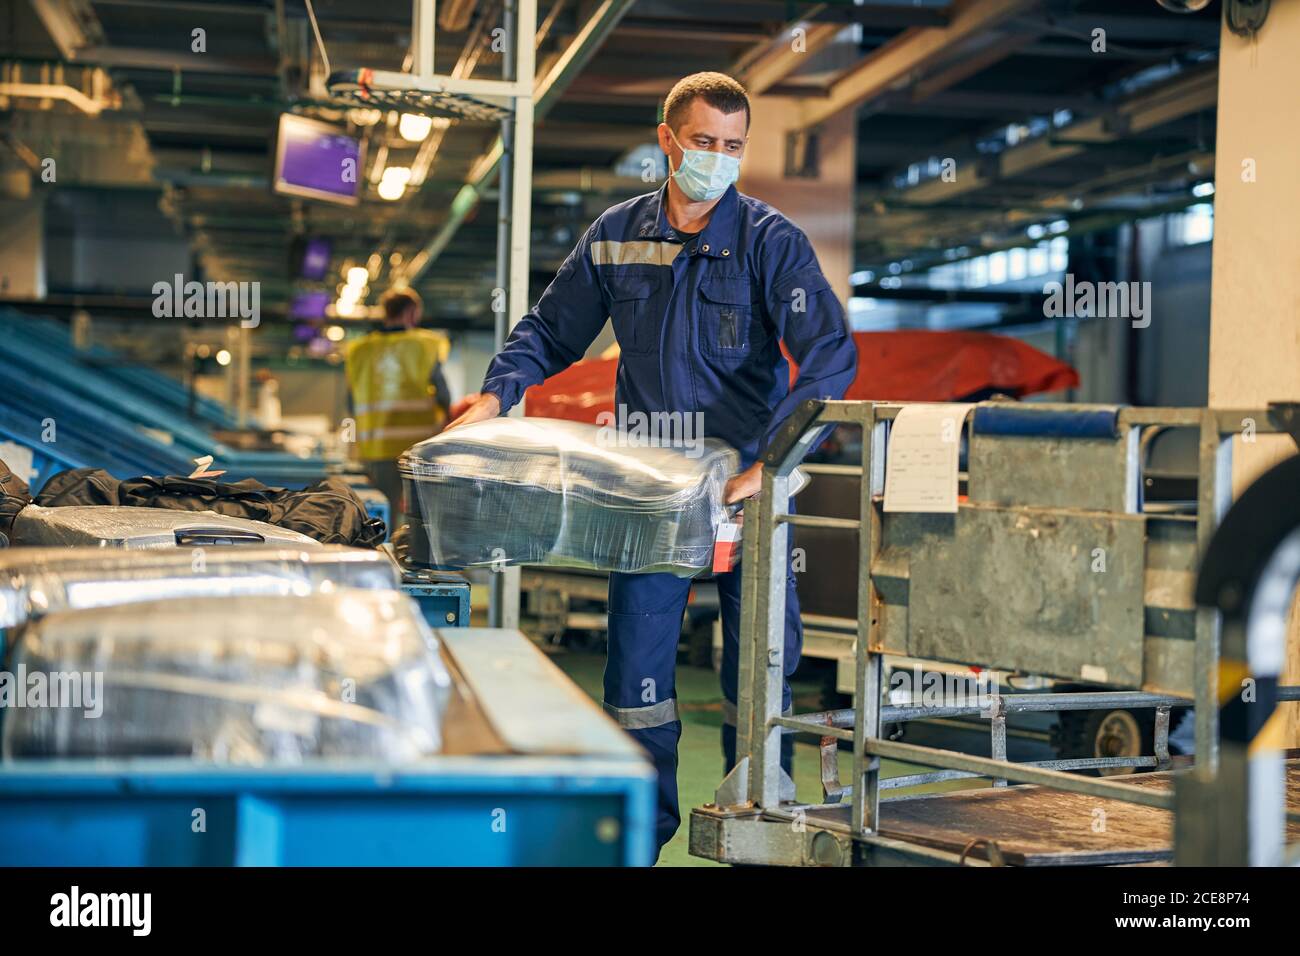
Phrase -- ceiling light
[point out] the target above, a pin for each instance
(223, 357)
(414, 128)
(393, 182)
(358, 276)
(363, 116)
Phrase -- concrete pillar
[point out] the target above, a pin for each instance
(822, 206)
(1255, 298)
(22, 248)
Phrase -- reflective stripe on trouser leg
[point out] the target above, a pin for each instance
(645, 624)
(643, 718)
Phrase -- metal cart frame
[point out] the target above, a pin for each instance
(754, 807)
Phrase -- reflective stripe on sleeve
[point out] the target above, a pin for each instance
(608, 252)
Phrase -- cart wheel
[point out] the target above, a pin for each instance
(1104, 733)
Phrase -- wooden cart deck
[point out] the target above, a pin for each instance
(1034, 826)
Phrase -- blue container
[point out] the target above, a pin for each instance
(560, 784)
(480, 811)
(443, 597)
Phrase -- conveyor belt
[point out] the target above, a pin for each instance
(1034, 826)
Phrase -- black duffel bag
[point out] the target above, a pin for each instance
(14, 497)
(328, 510)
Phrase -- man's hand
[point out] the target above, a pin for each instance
(474, 408)
(744, 485)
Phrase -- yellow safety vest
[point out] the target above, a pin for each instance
(392, 398)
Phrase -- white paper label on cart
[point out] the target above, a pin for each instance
(921, 463)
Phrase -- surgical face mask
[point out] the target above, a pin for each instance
(704, 175)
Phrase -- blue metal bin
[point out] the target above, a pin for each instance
(561, 784)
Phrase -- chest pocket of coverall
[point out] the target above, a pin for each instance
(731, 328)
(635, 325)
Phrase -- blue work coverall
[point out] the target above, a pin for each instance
(699, 324)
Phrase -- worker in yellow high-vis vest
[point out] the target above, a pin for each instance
(398, 395)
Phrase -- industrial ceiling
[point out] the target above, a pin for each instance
(179, 140)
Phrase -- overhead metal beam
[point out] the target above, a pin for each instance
(911, 51)
(982, 103)
(453, 15)
(778, 57)
(1120, 28)
(71, 24)
(880, 15)
(578, 54)
(1193, 92)
(698, 31)
(191, 6)
(900, 229)
(145, 58)
(998, 48)
(1078, 50)
(1094, 222)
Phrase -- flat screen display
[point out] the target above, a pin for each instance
(309, 305)
(315, 259)
(317, 160)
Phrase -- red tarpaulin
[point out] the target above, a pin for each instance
(913, 366)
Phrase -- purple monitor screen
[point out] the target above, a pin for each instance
(309, 305)
(315, 259)
(317, 160)
(305, 332)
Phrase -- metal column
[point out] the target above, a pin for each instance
(1214, 496)
(867, 664)
(514, 224)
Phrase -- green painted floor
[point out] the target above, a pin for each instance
(699, 701)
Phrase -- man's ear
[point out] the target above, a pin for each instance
(665, 140)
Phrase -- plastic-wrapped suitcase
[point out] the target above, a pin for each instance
(117, 526)
(37, 581)
(564, 494)
(246, 680)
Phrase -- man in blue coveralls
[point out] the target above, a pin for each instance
(702, 284)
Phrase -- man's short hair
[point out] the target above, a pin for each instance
(717, 89)
(397, 301)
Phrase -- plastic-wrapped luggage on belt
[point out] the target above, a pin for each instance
(123, 526)
(564, 494)
(37, 581)
(246, 680)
